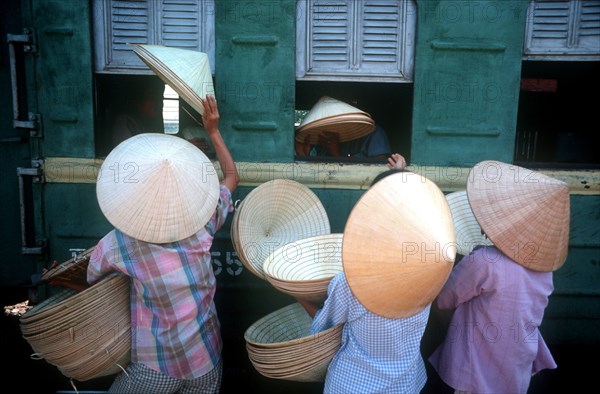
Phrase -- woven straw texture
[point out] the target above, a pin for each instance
(524, 213)
(399, 245)
(186, 71)
(468, 232)
(280, 345)
(157, 188)
(85, 335)
(73, 270)
(272, 215)
(329, 115)
(304, 268)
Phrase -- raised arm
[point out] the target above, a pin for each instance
(211, 124)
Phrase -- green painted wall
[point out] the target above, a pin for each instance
(63, 76)
(255, 78)
(467, 73)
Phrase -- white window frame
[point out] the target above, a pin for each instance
(307, 70)
(562, 30)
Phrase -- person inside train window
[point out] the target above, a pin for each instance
(499, 292)
(374, 144)
(335, 128)
(380, 351)
(164, 227)
(138, 109)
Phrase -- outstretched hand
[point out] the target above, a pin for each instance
(210, 117)
(396, 161)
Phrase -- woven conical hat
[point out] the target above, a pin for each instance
(524, 213)
(468, 232)
(274, 214)
(157, 188)
(186, 71)
(328, 107)
(334, 116)
(399, 245)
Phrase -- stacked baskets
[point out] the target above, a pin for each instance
(281, 233)
(280, 345)
(84, 334)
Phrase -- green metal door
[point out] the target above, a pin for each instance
(255, 78)
(60, 87)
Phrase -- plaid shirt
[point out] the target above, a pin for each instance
(377, 355)
(174, 323)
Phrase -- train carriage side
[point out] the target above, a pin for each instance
(453, 83)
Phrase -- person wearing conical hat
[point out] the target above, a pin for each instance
(398, 249)
(163, 196)
(499, 292)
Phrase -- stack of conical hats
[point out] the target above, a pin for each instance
(280, 345)
(84, 334)
(274, 214)
(304, 268)
(525, 213)
(186, 71)
(330, 115)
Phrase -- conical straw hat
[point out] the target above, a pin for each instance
(524, 213)
(274, 214)
(157, 188)
(399, 245)
(328, 107)
(186, 71)
(468, 232)
(330, 115)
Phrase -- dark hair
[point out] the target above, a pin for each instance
(386, 173)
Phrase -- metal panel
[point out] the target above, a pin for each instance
(466, 81)
(254, 78)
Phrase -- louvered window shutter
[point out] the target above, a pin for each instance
(563, 30)
(355, 40)
(187, 24)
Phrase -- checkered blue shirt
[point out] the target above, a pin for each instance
(174, 323)
(377, 354)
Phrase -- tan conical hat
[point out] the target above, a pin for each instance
(186, 71)
(330, 115)
(525, 213)
(399, 245)
(157, 188)
(468, 232)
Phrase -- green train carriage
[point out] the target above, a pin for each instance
(453, 83)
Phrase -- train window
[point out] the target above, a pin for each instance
(388, 104)
(557, 121)
(360, 53)
(118, 23)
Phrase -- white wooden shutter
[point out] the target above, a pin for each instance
(187, 24)
(369, 40)
(563, 30)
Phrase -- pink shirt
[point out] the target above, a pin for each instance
(493, 344)
(174, 324)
